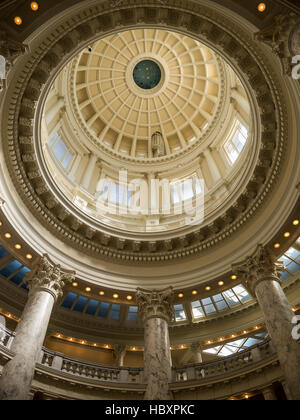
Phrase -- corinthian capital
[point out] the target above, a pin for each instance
(259, 267)
(155, 303)
(50, 277)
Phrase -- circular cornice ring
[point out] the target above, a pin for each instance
(77, 32)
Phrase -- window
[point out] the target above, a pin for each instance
(92, 307)
(291, 262)
(69, 300)
(197, 309)
(80, 304)
(179, 313)
(115, 312)
(132, 313)
(208, 306)
(241, 293)
(234, 146)
(104, 308)
(60, 151)
(236, 346)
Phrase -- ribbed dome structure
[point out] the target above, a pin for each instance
(122, 113)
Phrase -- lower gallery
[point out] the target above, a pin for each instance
(149, 201)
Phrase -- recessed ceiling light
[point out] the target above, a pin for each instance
(287, 234)
(29, 257)
(18, 20)
(234, 277)
(277, 245)
(18, 246)
(7, 235)
(101, 293)
(88, 289)
(75, 284)
(115, 296)
(34, 6)
(194, 292)
(180, 295)
(262, 7)
(295, 222)
(221, 283)
(129, 297)
(207, 288)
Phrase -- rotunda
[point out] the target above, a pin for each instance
(149, 200)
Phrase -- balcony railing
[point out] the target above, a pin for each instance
(262, 354)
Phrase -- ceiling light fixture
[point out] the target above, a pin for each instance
(101, 293)
(221, 283)
(194, 292)
(75, 284)
(29, 257)
(262, 7)
(287, 234)
(295, 222)
(88, 289)
(18, 246)
(18, 20)
(7, 235)
(180, 295)
(277, 245)
(115, 296)
(34, 6)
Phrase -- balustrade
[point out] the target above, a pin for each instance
(195, 372)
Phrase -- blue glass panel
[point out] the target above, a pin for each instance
(115, 312)
(18, 278)
(3, 252)
(293, 267)
(92, 307)
(285, 275)
(69, 300)
(133, 309)
(10, 268)
(293, 253)
(80, 304)
(104, 308)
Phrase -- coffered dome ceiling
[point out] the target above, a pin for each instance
(132, 84)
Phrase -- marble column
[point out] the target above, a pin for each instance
(269, 394)
(262, 276)
(197, 352)
(120, 353)
(156, 309)
(46, 282)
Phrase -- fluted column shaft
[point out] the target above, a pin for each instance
(156, 309)
(262, 275)
(45, 287)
